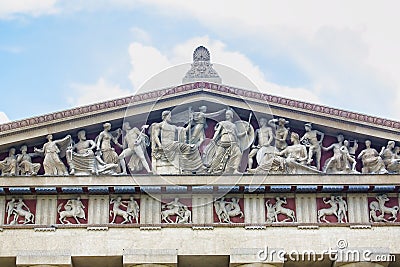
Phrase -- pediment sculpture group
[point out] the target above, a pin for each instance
(178, 150)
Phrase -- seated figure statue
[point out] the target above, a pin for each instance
(171, 156)
(82, 160)
(390, 158)
(292, 159)
(24, 162)
(8, 166)
(372, 162)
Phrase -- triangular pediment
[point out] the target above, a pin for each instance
(146, 108)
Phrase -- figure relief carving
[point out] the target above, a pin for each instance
(225, 209)
(8, 166)
(106, 153)
(25, 166)
(17, 209)
(273, 210)
(224, 153)
(134, 145)
(372, 162)
(176, 208)
(73, 208)
(281, 132)
(378, 210)
(53, 150)
(338, 208)
(261, 144)
(291, 160)
(127, 209)
(171, 155)
(313, 140)
(390, 157)
(341, 161)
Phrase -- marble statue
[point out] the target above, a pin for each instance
(342, 209)
(262, 140)
(313, 140)
(341, 161)
(390, 158)
(197, 134)
(274, 210)
(372, 162)
(74, 208)
(291, 160)
(176, 208)
(227, 209)
(103, 144)
(8, 166)
(134, 144)
(281, 132)
(224, 153)
(52, 151)
(19, 209)
(83, 160)
(25, 166)
(174, 156)
(379, 206)
(131, 210)
(338, 208)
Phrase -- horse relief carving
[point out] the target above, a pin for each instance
(338, 208)
(378, 210)
(273, 210)
(128, 210)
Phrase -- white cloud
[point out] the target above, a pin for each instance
(147, 61)
(9, 9)
(3, 117)
(83, 94)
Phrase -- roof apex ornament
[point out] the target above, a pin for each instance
(202, 69)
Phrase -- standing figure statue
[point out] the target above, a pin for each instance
(310, 139)
(166, 150)
(103, 144)
(262, 141)
(8, 166)
(389, 158)
(134, 144)
(372, 162)
(337, 162)
(342, 210)
(281, 132)
(24, 162)
(53, 150)
(348, 157)
(224, 153)
(197, 135)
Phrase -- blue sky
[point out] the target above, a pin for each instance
(58, 54)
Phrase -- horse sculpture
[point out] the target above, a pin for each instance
(380, 206)
(322, 213)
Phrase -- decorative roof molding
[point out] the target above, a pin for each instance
(227, 90)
